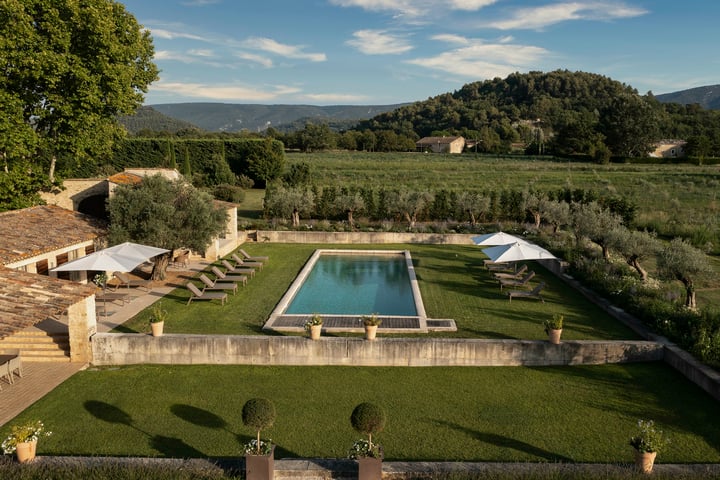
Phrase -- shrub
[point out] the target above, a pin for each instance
(229, 193)
(368, 418)
(258, 413)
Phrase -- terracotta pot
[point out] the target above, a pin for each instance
(369, 468)
(554, 335)
(370, 332)
(315, 331)
(157, 328)
(25, 451)
(260, 467)
(645, 461)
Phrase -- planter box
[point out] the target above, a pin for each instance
(369, 468)
(260, 467)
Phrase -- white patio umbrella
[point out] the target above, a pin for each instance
(517, 252)
(120, 258)
(497, 238)
(129, 249)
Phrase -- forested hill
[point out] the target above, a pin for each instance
(227, 117)
(148, 119)
(707, 97)
(561, 112)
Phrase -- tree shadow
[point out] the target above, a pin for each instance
(198, 416)
(507, 442)
(110, 413)
(174, 447)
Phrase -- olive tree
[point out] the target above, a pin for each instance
(281, 202)
(164, 214)
(634, 246)
(681, 261)
(473, 205)
(408, 204)
(595, 223)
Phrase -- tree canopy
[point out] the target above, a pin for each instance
(69, 69)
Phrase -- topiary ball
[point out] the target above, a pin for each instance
(258, 413)
(368, 418)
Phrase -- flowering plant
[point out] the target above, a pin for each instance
(316, 319)
(364, 448)
(648, 439)
(255, 448)
(30, 432)
(100, 279)
(370, 320)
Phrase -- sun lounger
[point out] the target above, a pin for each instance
(509, 282)
(499, 267)
(223, 277)
(10, 364)
(516, 276)
(210, 285)
(126, 281)
(250, 258)
(246, 263)
(197, 294)
(240, 268)
(534, 293)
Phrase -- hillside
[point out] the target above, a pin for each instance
(225, 117)
(147, 118)
(708, 97)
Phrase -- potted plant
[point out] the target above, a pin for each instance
(23, 440)
(368, 418)
(554, 327)
(259, 413)
(371, 323)
(101, 280)
(314, 326)
(647, 443)
(158, 315)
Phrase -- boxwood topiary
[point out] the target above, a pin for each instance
(368, 418)
(258, 413)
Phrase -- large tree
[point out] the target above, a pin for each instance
(164, 214)
(681, 261)
(69, 68)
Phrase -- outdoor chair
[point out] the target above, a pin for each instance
(126, 281)
(223, 277)
(512, 276)
(9, 364)
(181, 259)
(246, 263)
(197, 294)
(534, 293)
(210, 285)
(245, 269)
(250, 258)
(509, 282)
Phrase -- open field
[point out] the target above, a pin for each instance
(452, 280)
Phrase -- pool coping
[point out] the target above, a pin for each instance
(279, 321)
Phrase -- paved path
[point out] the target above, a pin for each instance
(40, 378)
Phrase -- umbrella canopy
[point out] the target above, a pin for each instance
(517, 252)
(120, 258)
(497, 238)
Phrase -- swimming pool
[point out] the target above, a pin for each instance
(343, 285)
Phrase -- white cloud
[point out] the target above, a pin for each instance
(478, 59)
(224, 92)
(289, 51)
(379, 42)
(413, 8)
(170, 35)
(264, 61)
(199, 3)
(337, 98)
(201, 52)
(451, 38)
(540, 17)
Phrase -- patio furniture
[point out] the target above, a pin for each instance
(248, 257)
(197, 294)
(509, 282)
(244, 269)
(10, 363)
(512, 276)
(534, 293)
(221, 276)
(210, 285)
(181, 259)
(126, 281)
(246, 263)
(106, 296)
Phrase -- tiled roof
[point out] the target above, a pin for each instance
(436, 140)
(125, 178)
(36, 230)
(29, 298)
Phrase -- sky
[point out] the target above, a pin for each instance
(383, 52)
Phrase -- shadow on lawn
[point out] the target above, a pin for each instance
(198, 416)
(506, 442)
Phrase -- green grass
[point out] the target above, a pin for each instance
(566, 414)
(452, 281)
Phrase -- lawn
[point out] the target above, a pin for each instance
(568, 414)
(452, 281)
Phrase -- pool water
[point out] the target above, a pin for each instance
(356, 285)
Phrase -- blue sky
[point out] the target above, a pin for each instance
(380, 52)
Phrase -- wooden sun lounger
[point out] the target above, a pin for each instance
(210, 285)
(197, 294)
(509, 282)
(534, 293)
(251, 258)
(516, 276)
(240, 267)
(224, 277)
(126, 281)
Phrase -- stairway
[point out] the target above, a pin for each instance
(39, 346)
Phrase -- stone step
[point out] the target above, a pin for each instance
(39, 346)
(36, 356)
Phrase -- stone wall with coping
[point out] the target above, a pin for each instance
(173, 349)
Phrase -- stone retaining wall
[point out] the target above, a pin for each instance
(170, 349)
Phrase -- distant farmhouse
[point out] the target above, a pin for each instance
(669, 149)
(440, 144)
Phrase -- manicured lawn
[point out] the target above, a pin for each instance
(453, 282)
(568, 414)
